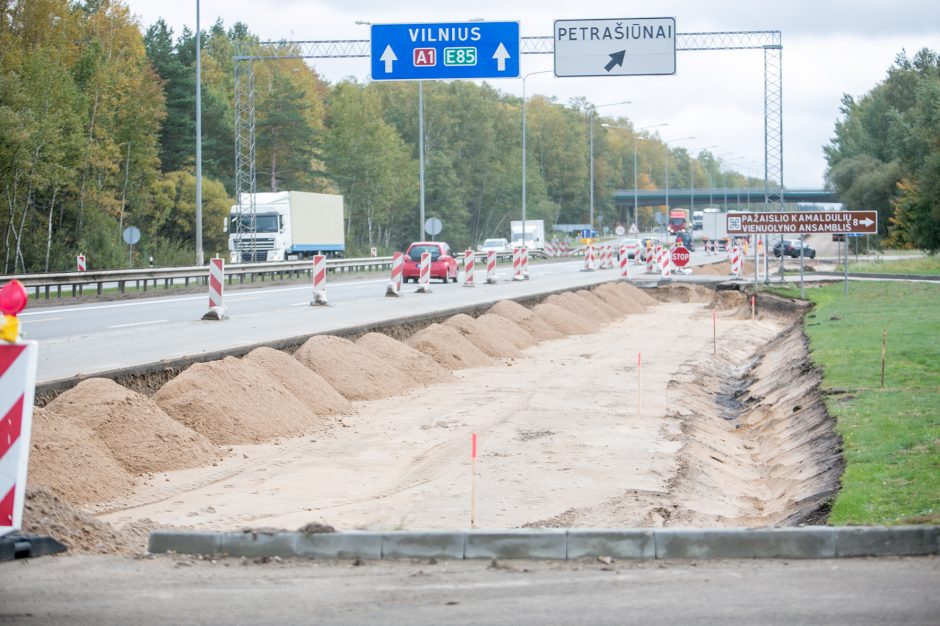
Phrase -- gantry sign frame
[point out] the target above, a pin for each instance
(246, 53)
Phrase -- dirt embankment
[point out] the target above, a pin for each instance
(717, 444)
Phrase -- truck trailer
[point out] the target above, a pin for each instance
(286, 225)
(534, 234)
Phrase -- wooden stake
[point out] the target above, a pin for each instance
(753, 305)
(473, 481)
(714, 335)
(639, 384)
(884, 349)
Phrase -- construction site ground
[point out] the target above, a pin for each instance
(615, 407)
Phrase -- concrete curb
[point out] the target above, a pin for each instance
(808, 542)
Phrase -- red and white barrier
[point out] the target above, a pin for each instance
(517, 264)
(80, 263)
(736, 261)
(17, 390)
(624, 259)
(424, 273)
(665, 260)
(525, 263)
(394, 287)
(589, 258)
(319, 280)
(216, 287)
(491, 267)
(565, 250)
(468, 269)
(650, 255)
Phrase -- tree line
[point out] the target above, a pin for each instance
(885, 154)
(98, 122)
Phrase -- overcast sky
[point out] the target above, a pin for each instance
(829, 48)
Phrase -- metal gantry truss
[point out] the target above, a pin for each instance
(245, 179)
(246, 52)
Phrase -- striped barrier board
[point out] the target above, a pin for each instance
(17, 390)
(525, 263)
(80, 263)
(216, 289)
(319, 280)
(424, 273)
(468, 268)
(517, 264)
(624, 262)
(491, 267)
(394, 286)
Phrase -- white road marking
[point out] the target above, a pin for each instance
(48, 319)
(139, 324)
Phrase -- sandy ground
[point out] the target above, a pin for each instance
(567, 432)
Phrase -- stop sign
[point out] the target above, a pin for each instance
(680, 256)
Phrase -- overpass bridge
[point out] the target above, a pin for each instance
(739, 197)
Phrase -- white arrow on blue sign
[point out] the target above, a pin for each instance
(445, 51)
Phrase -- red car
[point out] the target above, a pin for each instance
(443, 263)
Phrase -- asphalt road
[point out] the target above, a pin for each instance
(180, 590)
(97, 337)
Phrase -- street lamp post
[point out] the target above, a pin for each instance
(635, 143)
(524, 150)
(593, 113)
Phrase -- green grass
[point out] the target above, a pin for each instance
(925, 266)
(891, 434)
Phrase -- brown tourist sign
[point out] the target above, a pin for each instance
(802, 222)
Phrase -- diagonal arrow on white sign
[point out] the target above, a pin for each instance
(388, 56)
(501, 55)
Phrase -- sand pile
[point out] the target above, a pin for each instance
(723, 268)
(305, 384)
(563, 320)
(608, 311)
(506, 329)
(416, 364)
(489, 343)
(351, 369)
(234, 401)
(580, 307)
(137, 433)
(635, 294)
(44, 513)
(448, 347)
(618, 299)
(681, 292)
(71, 460)
(526, 319)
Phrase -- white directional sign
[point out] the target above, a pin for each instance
(617, 47)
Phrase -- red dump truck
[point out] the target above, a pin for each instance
(679, 221)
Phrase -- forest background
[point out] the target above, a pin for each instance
(97, 133)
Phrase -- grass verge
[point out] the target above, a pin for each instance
(892, 433)
(924, 266)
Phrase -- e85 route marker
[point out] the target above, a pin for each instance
(445, 51)
(802, 222)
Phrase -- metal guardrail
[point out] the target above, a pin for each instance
(59, 284)
(45, 285)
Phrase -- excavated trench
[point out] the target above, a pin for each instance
(738, 435)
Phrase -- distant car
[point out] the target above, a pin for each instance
(496, 245)
(632, 245)
(686, 239)
(793, 248)
(443, 263)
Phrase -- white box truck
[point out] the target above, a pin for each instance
(714, 224)
(534, 234)
(287, 225)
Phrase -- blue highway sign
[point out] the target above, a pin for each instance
(445, 51)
